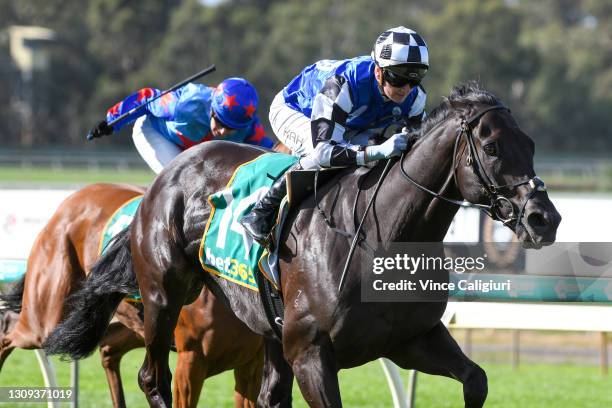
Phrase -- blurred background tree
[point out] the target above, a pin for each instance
(550, 61)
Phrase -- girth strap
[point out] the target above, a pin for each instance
(272, 302)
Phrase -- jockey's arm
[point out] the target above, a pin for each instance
(330, 111)
(163, 107)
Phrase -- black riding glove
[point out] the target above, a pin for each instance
(101, 129)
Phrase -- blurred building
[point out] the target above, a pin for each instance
(29, 46)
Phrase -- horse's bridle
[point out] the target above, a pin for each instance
(491, 189)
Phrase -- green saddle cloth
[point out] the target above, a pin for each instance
(227, 250)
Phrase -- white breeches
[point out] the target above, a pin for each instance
(290, 126)
(155, 149)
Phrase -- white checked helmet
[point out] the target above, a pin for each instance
(398, 46)
(403, 56)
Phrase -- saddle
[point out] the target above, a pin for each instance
(301, 183)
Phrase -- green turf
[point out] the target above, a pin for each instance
(15, 175)
(531, 386)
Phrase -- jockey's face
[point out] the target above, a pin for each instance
(396, 94)
(218, 129)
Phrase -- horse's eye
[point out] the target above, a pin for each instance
(490, 149)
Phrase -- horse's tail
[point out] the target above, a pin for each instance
(92, 306)
(11, 301)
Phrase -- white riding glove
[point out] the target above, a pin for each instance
(394, 146)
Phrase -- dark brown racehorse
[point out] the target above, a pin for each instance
(471, 149)
(209, 339)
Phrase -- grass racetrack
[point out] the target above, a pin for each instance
(532, 386)
(22, 177)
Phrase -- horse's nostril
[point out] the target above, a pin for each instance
(537, 220)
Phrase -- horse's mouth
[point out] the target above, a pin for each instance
(530, 243)
(531, 240)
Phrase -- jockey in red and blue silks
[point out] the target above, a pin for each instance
(325, 113)
(188, 116)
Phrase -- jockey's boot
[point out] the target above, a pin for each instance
(259, 222)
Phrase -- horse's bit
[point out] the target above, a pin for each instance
(492, 190)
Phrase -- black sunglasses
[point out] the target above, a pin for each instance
(399, 81)
(220, 123)
(400, 76)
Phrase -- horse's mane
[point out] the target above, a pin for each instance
(465, 95)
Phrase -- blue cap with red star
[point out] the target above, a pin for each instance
(234, 102)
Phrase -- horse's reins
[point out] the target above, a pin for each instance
(491, 189)
(363, 217)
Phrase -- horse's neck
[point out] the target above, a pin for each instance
(410, 213)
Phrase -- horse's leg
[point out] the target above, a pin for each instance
(52, 273)
(191, 371)
(117, 341)
(9, 318)
(277, 379)
(162, 307)
(5, 351)
(248, 382)
(128, 314)
(437, 353)
(19, 337)
(314, 366)
(164, 281)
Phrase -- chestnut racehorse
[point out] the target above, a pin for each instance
(471, 149)
(58, 263)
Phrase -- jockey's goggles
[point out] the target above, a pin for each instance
(401, 75)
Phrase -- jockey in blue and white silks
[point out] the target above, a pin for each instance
(192, 114)
(336, 97)
(324, 112)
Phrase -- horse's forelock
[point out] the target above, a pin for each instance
(461, 97)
